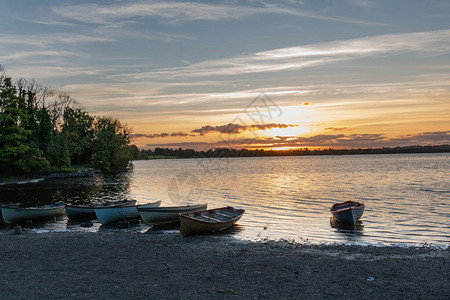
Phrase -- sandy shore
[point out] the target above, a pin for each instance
(111, 265)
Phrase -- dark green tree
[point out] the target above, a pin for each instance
(111, 151)
(58, 154)
(17, 153)
(134, 152)
(79, 132)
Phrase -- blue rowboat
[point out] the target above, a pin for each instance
(114, 213)
(15, 214)
(348, 212)
(88, 211)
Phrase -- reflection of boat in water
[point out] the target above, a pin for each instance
(15, 214)
(88, 210)
(347, 212)
(358, 226)
(211, 220)
(346, 231)
(114, 213)
(166, 214)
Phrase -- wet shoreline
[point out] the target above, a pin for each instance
(112, 265)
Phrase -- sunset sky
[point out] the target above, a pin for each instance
(253, 74)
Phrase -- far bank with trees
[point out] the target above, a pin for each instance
(43, 131)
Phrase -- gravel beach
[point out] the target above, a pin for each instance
(152, 265)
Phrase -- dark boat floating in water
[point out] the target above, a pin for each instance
(348, 212)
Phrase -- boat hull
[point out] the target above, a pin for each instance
(74, 212)
(164, 215)
(108, 215)
(16, 214)
(88, 211)
(208, 221)
(348, 212)
(6, 204)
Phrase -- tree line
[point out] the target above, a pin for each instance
(41, 131)
(230, 152)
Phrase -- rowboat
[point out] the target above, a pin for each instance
(15, 214)
(4, 204)
(347, 212)
(114, 213)
(87, 211)
(166, 214)
(211, 220)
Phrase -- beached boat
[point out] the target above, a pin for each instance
(15, 214)
(211, 220)
(5, 204)
(87, 211)
(166, 214)
(114, 213)
(348, 212)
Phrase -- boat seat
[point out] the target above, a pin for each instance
(223, 215)
(205, 218)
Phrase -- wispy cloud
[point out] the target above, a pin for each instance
(295, 58)
(204, 130)
(51, 71)
(338, 128)
(120, 31)
(362, 3)
(327, 140)
(182, 11)
(158, 135)
(45, 40)
(237, 128)
(25, 54)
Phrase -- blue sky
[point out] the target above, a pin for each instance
(341, 73)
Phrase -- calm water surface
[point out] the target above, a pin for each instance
(407, 196)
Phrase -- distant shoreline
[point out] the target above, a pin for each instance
(167, 153)
(88, 171)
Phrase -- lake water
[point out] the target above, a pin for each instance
(407, 196)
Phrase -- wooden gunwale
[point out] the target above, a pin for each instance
(358, 205)
(199, 213)
(168, 209)
(33, 209)
(104, 205)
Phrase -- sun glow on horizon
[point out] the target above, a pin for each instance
(289, 131)
(284, 148)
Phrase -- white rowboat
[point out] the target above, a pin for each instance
(14, 214)
(166, 214)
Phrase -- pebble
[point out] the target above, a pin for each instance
(18, 229)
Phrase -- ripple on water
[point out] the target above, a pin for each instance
(407, 201)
